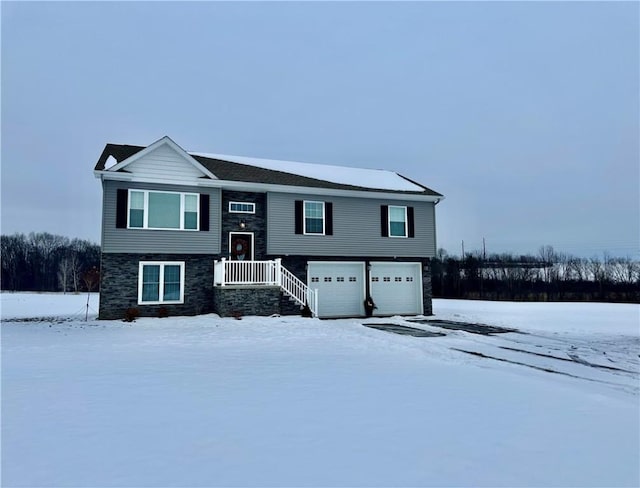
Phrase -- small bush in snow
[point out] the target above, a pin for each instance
(131, 314)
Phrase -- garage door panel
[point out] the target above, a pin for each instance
(340, 287)
(396, 288)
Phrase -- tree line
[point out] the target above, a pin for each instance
(47, 262)
(547, 276)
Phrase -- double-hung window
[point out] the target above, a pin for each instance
(160, 282)
(163, 210)
(313, 217)
(397, 221)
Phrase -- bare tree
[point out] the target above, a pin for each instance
(64, 273)
(625, 271)
(548, 256)
(43, 252)
(13, 251)
(91, 279)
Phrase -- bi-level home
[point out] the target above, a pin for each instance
(186, 233)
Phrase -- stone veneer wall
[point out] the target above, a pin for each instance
(255, 223)
(119, 285)
(427, 292)
(229, 301)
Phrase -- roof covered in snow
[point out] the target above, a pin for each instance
(368, 178)
(292, 173)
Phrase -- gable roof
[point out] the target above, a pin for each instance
(274, 172)
(164, 141)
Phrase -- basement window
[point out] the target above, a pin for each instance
(160, 282)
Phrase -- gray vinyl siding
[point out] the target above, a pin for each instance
(158, 241)
(164, 162)
(356, 229)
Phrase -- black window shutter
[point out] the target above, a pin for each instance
(411, 226)
(122, 198)
(204, 212)
(299, 217)
(384, 221)
(328, 218)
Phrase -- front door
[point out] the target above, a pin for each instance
(241, 246)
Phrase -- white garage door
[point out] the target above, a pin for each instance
(340, 287)
(396, 288)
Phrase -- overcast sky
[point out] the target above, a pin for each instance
(525, 115)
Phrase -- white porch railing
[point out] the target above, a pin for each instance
(265, 273)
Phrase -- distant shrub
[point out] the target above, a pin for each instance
(131, 314)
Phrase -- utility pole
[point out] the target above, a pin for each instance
(484, 258)
(464, 271)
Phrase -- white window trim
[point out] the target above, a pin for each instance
(253, 205)
(145, 210)
(304, 218)
(162, 264)
(406, 222)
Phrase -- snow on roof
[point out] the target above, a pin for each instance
(367, 178)
(111, 161)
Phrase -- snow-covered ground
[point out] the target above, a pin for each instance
(286, 401)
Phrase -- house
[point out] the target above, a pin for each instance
(185, 233)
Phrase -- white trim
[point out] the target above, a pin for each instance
(242, 211)
(164, 141)
(162, 265)
(304, 218)
(263, 187)
(406, 221)
(252, 243)
(145, 218)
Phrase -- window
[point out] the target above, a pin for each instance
(314, 217)
(397, 221)
(163, 210)
(160, 282)
(136, 209)
(240, 207)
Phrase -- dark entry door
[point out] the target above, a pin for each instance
(241, 246)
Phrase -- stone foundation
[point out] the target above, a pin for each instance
(231, 301)
(119, 287)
